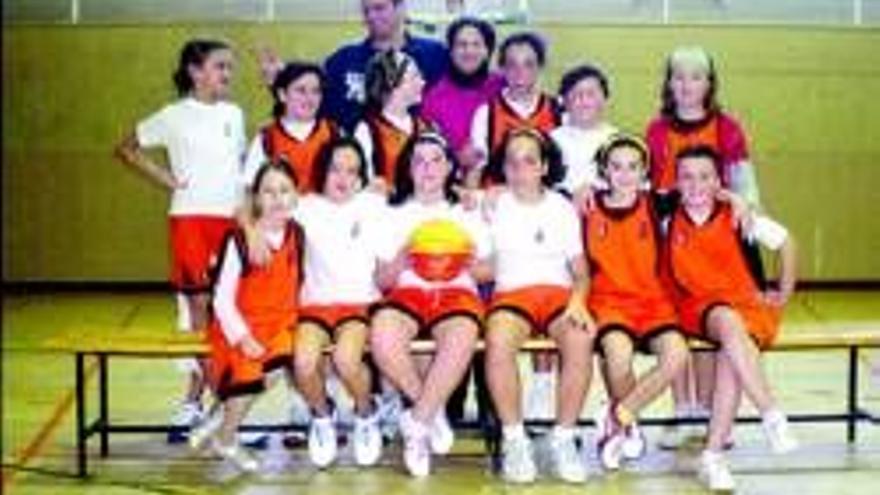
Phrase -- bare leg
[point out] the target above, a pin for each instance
(618, 352)
(576, 351)
(349, 362)
(505, 333)
(455, 338)
(390, 337)
(308, 366)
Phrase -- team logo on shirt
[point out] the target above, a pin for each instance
(539, 236)
(355, 89)
(355, 231)
(227, 129)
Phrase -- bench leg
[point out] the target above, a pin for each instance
(81, 434)
(102, 405)
(853, 395)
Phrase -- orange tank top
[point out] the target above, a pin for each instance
(388, 143)
(301, 156)
(503, 119)
(623, 248)
(711, 260)
(663, 177)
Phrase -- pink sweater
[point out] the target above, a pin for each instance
(451, 107)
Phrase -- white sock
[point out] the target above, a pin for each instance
(563, 432)
(514, 431)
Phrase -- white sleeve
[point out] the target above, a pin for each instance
(365, 139)
(572, 241)
(744, 181)
(479, 230)
(154, 130)
(770, 233)
(389, 234)
(240, 134)
(231, 321)
(256, 157)
(480, 132)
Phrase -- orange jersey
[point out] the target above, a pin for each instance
(267, 298)
(503, 119)
(623, 249)
(668, 137)
(300, 155)
(388, 143)
(711, 266)
(627, 282)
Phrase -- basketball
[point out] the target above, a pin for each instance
(439, 250)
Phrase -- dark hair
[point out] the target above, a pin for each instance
(384, 73)
(276, 166)
(533, 40)
(549, 151)
(577, 74)
(193, 53)
(667, 99)
(487, 32)
(700, 151)
(404, 187)
(620, 140)
(325, 160)
(290, 73)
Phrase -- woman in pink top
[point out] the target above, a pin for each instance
(468, 83)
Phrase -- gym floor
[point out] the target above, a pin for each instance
(38, 422)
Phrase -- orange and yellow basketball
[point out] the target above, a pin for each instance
(439, 250)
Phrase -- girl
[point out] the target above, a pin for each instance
(434, 253)
(394, 88)
(296, 134)
(541, 282)
(584, 91)
(691, 115)
(628, 297)
(468, 83)
(255, 311)
(340, 258)
(721, 299)
(521, 103)
(203, 136)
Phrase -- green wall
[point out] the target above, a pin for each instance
(808, 97)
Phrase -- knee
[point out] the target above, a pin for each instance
(674, 359)
(307, 364)
(347, 364)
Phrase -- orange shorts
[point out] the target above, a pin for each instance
(233, 374)
(332, 316)
(640, 318)
(196, 242)
(761, 320)
(540, 305)
(430, 307)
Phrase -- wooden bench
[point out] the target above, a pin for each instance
(98, 345)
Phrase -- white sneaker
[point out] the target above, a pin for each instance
(238, 456)
(442, 436)
(634, 444)
(201, 433)
(322, 442)
(187, 415)
(568, 464)
(390, 410)
(610, 438)
(517, 464)
(777, 432)
(416, 445)
(367, 440)
(715, 473)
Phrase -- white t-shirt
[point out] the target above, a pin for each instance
(534, 243)
(256, 155)
(341, 248)
(401, 221)
(205, 145)
(579, 147)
